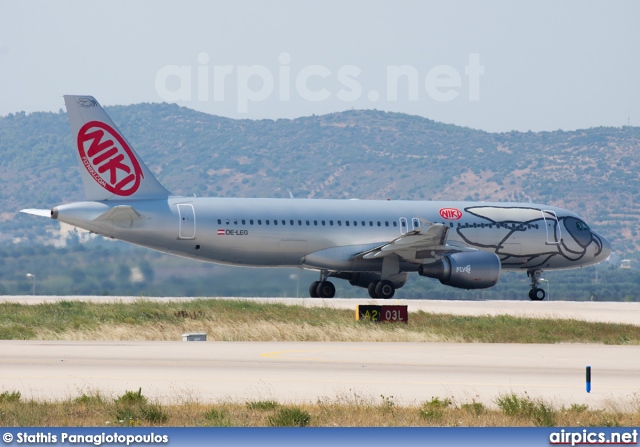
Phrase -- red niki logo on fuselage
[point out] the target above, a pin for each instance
(450, 213)
(109, 159)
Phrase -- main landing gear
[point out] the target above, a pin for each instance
(322, 288)
(536, 293)
(377, 289)
(381, 289)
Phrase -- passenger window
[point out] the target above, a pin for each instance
(219, 221)
(275, 221)
(323, 223)
(291, 222)
(259, 222)
(379, 224)
(339, 223)
(370, 223)
(308, 223)
(355, 223)
(227, 221)
(331, 223)
(235, 221)
(244, 222)
(346, 222)
(363, 223)
(299, 222)
(315, 222)
(266, 222)
(395, 224)
(250, 221)
(386, 224)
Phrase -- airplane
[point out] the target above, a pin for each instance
(373, 244)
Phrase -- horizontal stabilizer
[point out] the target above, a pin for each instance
(37, 212)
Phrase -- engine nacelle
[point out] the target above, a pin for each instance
(363, 279)
(467, 270)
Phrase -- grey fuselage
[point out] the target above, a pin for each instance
(288, 232)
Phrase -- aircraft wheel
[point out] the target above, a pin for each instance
(537, 294)
(313, 289)
(372, 289)
(326, 289)
(385, 289)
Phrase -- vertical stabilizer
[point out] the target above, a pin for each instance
(110, 167)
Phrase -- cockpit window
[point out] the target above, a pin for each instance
(579, 231)
(581, 226)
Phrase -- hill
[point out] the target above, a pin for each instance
(363, 154)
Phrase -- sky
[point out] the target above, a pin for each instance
(492, 65)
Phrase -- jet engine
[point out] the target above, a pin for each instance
(466, 270)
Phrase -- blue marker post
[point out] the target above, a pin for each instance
(588, 379)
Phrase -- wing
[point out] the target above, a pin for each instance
(426, 242)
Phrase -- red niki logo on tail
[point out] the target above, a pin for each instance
(109, 159)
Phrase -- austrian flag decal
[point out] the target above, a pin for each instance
(109, 159)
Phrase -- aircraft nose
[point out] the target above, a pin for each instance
(604, 246)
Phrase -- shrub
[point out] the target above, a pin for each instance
(217, 418)
(153, 414)
(13, 396)
(434, 409)
(89, 400)
(538, 411)
(262, 405)
(290, 417)
(132, 398)
(475, 407)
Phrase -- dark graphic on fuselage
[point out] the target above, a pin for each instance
(530, 238)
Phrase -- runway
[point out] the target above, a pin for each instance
(306, 372)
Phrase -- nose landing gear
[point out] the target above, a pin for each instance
(536, 293)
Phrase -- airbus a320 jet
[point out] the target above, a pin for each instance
(373, 244)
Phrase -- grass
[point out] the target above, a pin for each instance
(243, 320)
(345, 411)
(535, 410)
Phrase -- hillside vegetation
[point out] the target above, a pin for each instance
(355, 154)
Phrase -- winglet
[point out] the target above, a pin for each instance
(110, 167)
